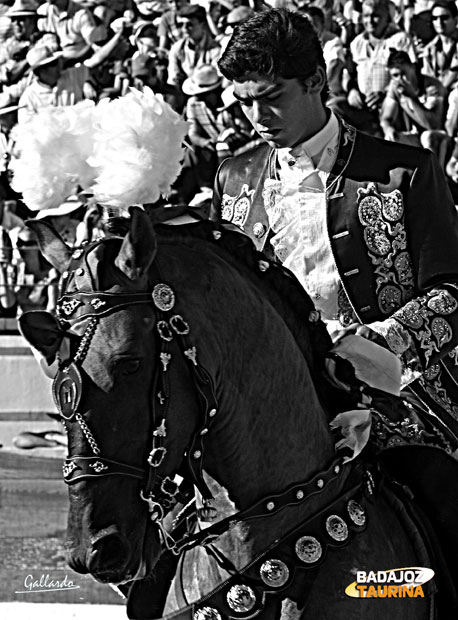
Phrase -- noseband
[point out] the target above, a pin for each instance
(160, 492)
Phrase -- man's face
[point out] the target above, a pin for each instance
(443, 21)
(50, 73)
(191, 27)
(282, 111)
(402, 73)
(23, 27)
(375, 20)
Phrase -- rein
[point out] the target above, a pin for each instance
(244, 598)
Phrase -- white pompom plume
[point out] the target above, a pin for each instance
(53, 147)
(138, 149)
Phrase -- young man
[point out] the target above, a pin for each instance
(366, 225)
(413, 109)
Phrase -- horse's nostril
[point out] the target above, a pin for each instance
(107, 554)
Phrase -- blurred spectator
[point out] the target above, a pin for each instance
(234, 18)
(333, 51)
(413, 110)
(204, 91)
(195, 48)
(440, 56)
(52, 85)
(168, 30)
(144, 72)
(149, 10)
(8, 119)
(75, 27)
(238, 134)
(369, 75)
(13, 64)
(6, 28)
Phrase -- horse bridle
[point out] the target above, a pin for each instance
(160, 492)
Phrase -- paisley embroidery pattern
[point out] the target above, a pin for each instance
(424, 317)
(235, 209)
(384, 233)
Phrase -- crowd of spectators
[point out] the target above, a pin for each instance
(392, 72)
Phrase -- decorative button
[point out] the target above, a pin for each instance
(356, 512)
(300, 495)
(207, 613)
(308, 549)
(212, 413)
(274, 573)
(259, 230)
(320, 483)
(241, 598)
(197, 454)
(80, 271)
(263, 265)
(270, 506)
(77, 253)
(336, 528)
(337, 469)
(217, 235)
(163, 297)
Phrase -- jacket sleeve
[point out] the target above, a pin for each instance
(425, 329)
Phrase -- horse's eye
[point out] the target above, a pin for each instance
(128, 367)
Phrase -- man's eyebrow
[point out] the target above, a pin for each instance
(266, 93)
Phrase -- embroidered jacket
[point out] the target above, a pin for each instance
(392, 228)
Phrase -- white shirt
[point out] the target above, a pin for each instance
(296, 209)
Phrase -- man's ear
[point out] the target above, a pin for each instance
(316, 82)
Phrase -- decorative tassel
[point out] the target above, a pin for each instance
(53, 148)
(138, 149)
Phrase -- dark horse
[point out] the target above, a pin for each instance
(190, 354)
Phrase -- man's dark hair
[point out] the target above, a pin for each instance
(398, 58)
(276, 43)
(193, 10)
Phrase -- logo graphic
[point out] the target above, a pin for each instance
(394, 583)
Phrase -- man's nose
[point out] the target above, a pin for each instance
(259, 112)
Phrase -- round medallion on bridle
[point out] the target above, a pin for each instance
(241, 598)
(274, 573)
(356, 513)
(308, 549)
(336, 528)
(163, 297)
(207, 613)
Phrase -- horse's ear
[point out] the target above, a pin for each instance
(53, 248)
(139, 246)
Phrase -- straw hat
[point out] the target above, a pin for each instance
(41, 55)
(23, 8)
(203, 80)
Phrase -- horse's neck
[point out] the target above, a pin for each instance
(270, 430)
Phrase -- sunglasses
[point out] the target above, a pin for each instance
(442, 18)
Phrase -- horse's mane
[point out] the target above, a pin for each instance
(277, 284)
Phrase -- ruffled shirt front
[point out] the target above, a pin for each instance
(296, 208)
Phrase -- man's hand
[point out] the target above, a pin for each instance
(355, 99)
(390, 134)
(374, 100)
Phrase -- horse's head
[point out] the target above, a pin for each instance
(182, 358)
(110, 399)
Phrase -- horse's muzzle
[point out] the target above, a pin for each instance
(108, 557)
